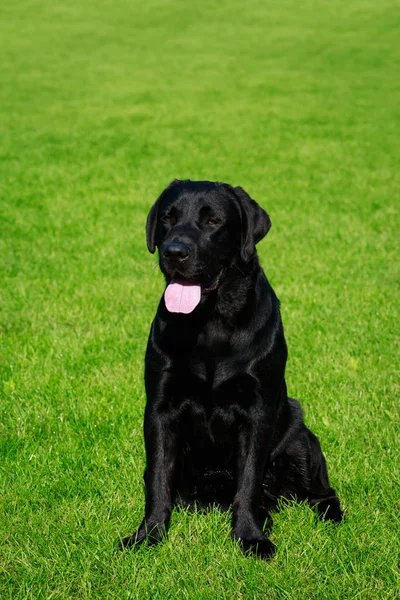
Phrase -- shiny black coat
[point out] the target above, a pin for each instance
(219, 427)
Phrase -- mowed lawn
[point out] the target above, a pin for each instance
(102, 103)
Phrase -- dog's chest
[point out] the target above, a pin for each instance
(211, 415)
(215, 338)
(217, 382)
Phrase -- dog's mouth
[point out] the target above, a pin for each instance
(183, 295)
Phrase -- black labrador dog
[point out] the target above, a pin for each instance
(219, 427)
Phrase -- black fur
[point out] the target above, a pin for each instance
(219, 427)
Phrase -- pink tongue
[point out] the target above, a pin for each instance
(182, 297)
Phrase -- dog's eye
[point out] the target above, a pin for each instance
(211, 222)
(166, 219)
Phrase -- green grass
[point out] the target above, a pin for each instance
(102, 104)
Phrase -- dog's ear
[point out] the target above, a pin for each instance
(152, 218)
(255, 223)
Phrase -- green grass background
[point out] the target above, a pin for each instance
(102, 103)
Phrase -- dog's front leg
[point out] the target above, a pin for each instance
(160, 440)
(251, 458)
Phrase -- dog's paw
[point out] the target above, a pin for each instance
(329, 510)
(129, 541)
(152, 534)
(332, 513)
(255, 543)
(264, 548)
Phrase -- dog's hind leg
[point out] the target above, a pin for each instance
(321, 497)
(298, 469)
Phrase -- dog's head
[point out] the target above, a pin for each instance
(200, 229)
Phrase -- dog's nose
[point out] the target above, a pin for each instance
(177, 250)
